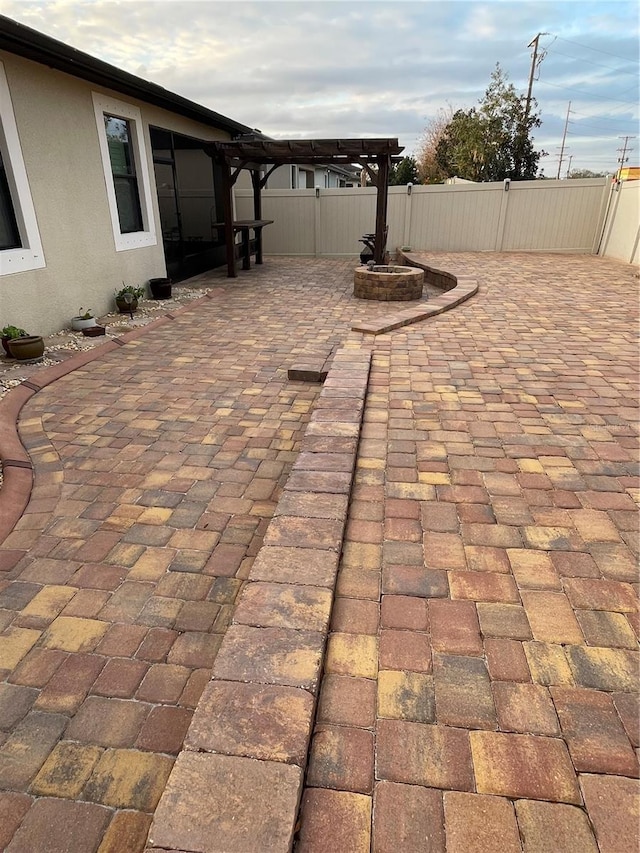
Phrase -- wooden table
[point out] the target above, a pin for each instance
(248, 246)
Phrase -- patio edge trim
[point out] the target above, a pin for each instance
(256, 715)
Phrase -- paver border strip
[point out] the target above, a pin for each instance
(458, 288)
(255, 717)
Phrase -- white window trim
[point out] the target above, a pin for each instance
(137, 239)
(30, 255)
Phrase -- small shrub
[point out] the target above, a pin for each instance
(138, 292)
(12, 332)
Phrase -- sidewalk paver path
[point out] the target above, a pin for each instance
(480, 683)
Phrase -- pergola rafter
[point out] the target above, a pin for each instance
(255, 153)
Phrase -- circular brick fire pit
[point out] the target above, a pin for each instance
(388, 283)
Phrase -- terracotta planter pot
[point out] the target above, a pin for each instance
(5, 346)
(27, 349)
(93, 331)
(160, 288)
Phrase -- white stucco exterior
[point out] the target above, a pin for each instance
(58, 136)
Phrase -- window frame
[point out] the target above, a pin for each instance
(29, 255)
(104, 105)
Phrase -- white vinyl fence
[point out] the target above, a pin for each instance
(622, 227)
(528, 216)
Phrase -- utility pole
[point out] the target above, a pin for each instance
(534, 64)
(623, 158)
(564, 137)
(569, 167)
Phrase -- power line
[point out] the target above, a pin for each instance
(606, 130)
(634, 88)
(599, 117)
(586, 46)
(589, 62)
(587, 94)
(586, 137)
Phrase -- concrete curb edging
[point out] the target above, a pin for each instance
(458, 289)
(238, 781)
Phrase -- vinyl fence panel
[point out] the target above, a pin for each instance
(516, 216)
(622, 228)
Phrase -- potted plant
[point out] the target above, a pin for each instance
(160, 288)
(127, 298)
(27, 347)
(10, 333)
(83, 320)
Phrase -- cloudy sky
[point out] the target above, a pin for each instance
(336, 68)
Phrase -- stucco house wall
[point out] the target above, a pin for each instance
(58, 136)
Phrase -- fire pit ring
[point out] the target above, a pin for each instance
(388, 283)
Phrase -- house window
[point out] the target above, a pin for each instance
(124, 160)
(20, 246)
(123, 169)
(9, 234)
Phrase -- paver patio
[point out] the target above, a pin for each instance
(480, 678)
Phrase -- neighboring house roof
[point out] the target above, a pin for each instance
(31, 44)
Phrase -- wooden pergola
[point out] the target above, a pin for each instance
(261, 156)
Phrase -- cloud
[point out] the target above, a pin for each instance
(361, 68)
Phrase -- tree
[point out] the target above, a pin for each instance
(404, 172)
(493, 141)
(586, 173)
(429, 169)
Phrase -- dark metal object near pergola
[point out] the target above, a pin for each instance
(256, 153)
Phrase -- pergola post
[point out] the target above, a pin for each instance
(257, 194)
(380, 245)
(229, 234)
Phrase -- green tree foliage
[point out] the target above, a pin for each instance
(404, 172)
(493, 141)
(586, 173)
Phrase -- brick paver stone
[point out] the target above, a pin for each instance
(480, 822)
(596, 738)
(515, 765)
(334, 820)
(407, 818)
(253, 720)
(554, 828)
(435, 756)
(228, 784)
(341, 758)
(61, 826)
(613, 806)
